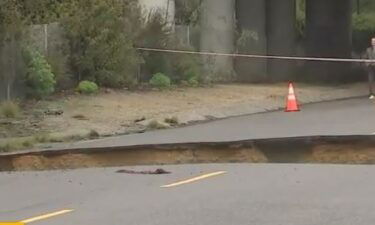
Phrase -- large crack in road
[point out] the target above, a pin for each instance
(332, 149)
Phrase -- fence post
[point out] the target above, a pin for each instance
(46, 39)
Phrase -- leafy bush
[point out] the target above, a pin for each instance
(60, 68)
(188, 68)
(363, 31)
(9, 109)
(160, 81)
(5, 147)
(87, 87)
(39, 77)
(100, 40)
(154, 34)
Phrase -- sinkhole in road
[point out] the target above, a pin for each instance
(317, 149)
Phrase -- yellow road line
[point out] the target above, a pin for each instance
(46, 216)
(9, 223)
(193, 179)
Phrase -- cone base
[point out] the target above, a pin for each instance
(295, 110)
(292, 107)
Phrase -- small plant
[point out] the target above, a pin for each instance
(172, 121)
(87, 87)
(160, 81)
(39, 75)
(193, 82)
(9, 109)
(17, 144)
(187, 68)
(153, 124)
(28, 143)
(56, 139)
(42, 138)
(74, 137)
(93, 134)
(156, 125)
(6, 147)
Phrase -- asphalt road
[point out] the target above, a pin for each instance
(262, 194)
(246, 194)
(347, 117)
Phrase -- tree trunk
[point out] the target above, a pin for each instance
(251, 24)
(217, 35)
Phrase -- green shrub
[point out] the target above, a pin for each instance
(28, 143)
(363, 31)
(60, 68)
(16, 144)
(6, 147)
(160, 81)
(39, 77)
(154, 34)
(100, 34)
(193, 82)
(9, 109)
(42, 138)
(93, 134)
(87, 87)
(186, 67)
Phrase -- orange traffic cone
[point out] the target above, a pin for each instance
(291, 104)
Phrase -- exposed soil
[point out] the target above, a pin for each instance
(342, 150)
(353, 154)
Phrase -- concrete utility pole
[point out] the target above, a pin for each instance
(328, 34)
(217, 35)
(251, 25)
(281, 38)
